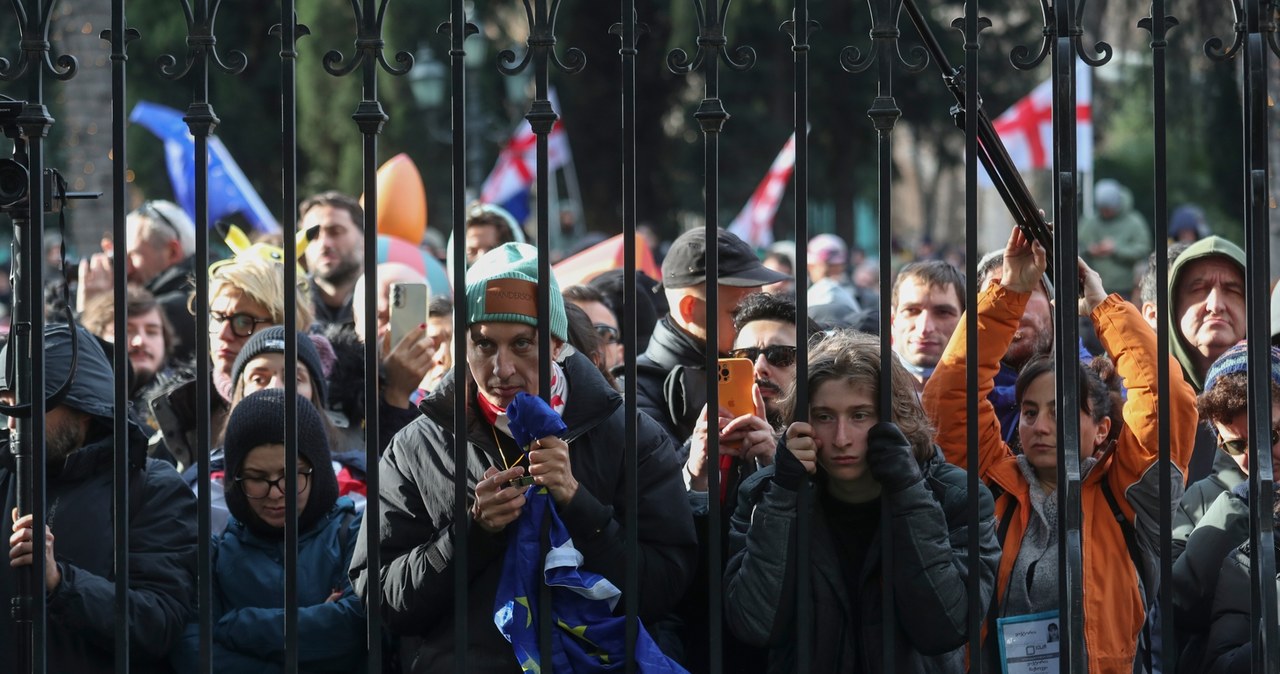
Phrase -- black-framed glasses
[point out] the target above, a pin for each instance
(1240, 446)
(242, 324)
(260, 487)
(608, 333)
(778, 355)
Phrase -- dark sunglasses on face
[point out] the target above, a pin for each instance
(608, 333)
(242, 324)
(778, 355)
(1240, 446)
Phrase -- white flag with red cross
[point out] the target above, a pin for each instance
(1027, 127)
(512, 178)
(755, 223)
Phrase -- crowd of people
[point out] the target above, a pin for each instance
(858, 457)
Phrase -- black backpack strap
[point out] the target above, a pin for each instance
(1130, 534)
(1002, 532)
(1135, 555)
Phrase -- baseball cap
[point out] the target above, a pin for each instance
(827, 249)
(737, 264)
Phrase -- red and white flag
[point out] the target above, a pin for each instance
(1027, 127)
(513, 174)
(755, 223)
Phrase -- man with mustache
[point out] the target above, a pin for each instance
(927, 300)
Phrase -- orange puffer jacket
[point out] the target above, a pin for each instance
(1114, 608)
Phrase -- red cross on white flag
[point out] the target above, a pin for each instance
(514, 171)
(1027, 127)
(755, 223)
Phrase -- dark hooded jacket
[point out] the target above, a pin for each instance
(931, 553)
(162, 532)
(1230, 643)
(1197, 573)
(671, 380)
(417, 529)
(1207, 247)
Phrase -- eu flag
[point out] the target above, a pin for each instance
(229, 191)
(586, 636)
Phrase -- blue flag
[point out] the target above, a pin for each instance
(587, 636)
(229, 191)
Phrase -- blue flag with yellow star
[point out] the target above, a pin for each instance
(587, 636)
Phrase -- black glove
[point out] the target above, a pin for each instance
(890, 459)
(788, 472)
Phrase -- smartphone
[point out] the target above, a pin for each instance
(408, 309)
(737, 375)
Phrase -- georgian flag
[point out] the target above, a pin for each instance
(510, 184)
(755, 223)
(1027, 127)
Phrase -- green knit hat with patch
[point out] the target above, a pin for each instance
(502, 286)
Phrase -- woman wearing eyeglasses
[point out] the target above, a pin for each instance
(248, 569)
(1119, 488)
(246, 294)
(1213, 518)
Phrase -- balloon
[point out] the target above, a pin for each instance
(402, 200)
(391, 249)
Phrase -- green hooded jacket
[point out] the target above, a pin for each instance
(1206, 247)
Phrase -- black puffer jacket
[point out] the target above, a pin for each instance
(1230, 649)
(162, 540)
(417, 528)
(930, 549)
(671, 380)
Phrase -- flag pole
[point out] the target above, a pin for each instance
(570, 170)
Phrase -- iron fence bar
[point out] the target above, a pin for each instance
(34, 122)
(972, 25)
(201, 122)
(627, 30)
(1157, 24)
(458, 30)
(29, 607)
(884, 114)
(1259, 18)
(370, 118)
(541, 119)
(711, 116)
(288, 31)
(119, 36)
(799, 28)
(1066, 337)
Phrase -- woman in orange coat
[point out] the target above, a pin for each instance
(1120, 463)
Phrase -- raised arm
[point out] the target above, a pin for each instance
(946, 394)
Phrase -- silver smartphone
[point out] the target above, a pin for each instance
(408, 309)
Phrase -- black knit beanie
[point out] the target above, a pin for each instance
(259, 420)
(271, 340)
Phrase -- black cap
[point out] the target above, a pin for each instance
(686, 262)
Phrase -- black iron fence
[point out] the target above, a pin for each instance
(35, 69)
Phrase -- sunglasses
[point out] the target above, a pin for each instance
(1240, 446)
(149, 210)
(608, 333)
(777, 354)
(242, 324)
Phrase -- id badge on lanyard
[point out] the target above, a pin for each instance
(1029, 643)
